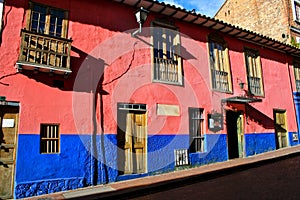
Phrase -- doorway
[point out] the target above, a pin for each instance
(280, 128)
(235, 134)
(132, 139)
(8, 136)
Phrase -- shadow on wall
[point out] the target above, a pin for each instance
(259, 117)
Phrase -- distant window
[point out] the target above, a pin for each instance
(49, 138)
(254, 72)
(219, 64)
(1, 14)
(167, 64)
(47, 20)
(196, 130)
(297, 74)
(296, 9)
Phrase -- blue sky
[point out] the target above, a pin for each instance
(205, 7)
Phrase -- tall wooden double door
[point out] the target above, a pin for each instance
(8, 136)
(132, 141)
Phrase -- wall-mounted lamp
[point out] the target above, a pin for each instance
(242, 85)
(141, 15)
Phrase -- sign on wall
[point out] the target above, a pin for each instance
(215, 122)
(8, 123)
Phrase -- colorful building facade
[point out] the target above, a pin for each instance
(87, 99)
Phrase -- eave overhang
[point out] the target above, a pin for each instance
(212, 23)
(241, 100)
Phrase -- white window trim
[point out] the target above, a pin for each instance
(1, 13)
(293, 2)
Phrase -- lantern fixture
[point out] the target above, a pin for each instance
(141, 15)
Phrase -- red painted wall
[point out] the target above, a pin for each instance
(100, 29)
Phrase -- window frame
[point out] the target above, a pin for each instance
(294, 10)
(44, 145)
(258, 70)
(223, 68)
(64, 31)
(167, 25)
(193, 147)
(296, 69)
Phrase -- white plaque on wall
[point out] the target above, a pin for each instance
(8, 123)
(168, 110)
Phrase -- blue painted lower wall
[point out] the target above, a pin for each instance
(215, 150)
(259, 143)
(80, 164)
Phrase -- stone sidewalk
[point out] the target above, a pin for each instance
(123, 187)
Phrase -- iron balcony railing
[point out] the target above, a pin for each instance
(221, 80)
(166, 70)
(43, 50)
(254, 85)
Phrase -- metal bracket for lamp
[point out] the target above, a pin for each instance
(141, 15)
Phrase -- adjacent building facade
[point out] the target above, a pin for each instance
(86, 99)
(279, 19)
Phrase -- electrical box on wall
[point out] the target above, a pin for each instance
(215, 122)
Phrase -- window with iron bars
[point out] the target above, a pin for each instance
(254, 72)
(49, 138)
(167, 63)
(297, 74)
(196, 130)
(219, 64)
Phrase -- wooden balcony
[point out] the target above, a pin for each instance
(40, 52)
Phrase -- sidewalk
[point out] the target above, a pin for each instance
(123, 187)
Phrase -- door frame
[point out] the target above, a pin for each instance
(125, 108)
(233, 136)
(281, 111)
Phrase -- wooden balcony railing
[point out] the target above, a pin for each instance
(220, 80)
(166, 70)
(254, 85)
(44, 51)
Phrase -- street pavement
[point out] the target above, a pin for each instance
(271, 175)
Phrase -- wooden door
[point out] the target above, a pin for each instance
(240, 135)
(132, 141)
(8, 133)
(281, 128)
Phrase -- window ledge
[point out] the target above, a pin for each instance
(223, 91)
(166, 82)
